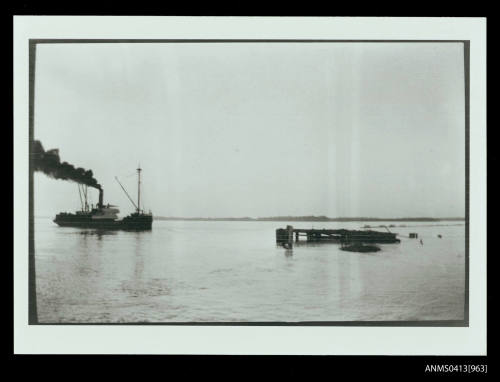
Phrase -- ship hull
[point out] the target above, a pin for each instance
(135, 222)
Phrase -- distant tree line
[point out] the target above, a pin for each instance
(315, 218)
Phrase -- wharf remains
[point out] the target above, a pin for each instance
(286, 236)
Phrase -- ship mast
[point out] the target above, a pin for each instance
(80, 193)
(139, 188)
(85, 191)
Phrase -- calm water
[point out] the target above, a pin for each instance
(233, 271)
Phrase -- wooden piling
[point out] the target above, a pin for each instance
(281, 236)
(289, 229)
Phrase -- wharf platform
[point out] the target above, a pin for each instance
(286, 236)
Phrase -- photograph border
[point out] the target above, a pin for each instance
(32, 303)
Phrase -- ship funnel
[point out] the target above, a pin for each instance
(101, 192)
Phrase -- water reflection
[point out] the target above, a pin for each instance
(350, 282)
(138, 284)
(86, 263)
(314, 243)
(98, 233)
(139, 258)
(344, 281)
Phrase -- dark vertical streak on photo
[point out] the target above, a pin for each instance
(32, 310)
(467, 174)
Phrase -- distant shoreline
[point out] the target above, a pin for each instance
(313, 218)
(300, 219)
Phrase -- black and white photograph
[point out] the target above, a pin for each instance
(249, 181)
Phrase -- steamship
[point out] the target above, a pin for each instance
(106, 216)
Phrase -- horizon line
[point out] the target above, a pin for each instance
(323, 217)
(315, 216)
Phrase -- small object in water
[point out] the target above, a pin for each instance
(413, 235)
(358, 247)
(440, 236)
(421, 242)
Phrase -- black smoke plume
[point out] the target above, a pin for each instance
(50, 164)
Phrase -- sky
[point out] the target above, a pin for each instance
(257, 129)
